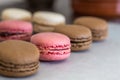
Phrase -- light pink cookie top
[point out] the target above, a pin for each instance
(14, 25)
(51, 40)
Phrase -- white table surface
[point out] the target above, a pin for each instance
(100, 62)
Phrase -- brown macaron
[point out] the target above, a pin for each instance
(18, 58)
(80, 36)
(98, 26)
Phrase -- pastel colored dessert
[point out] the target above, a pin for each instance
(13, 29)
(53, 46)
(80, 36)
(16, 14)
(18, 58)
(48, 19)
(99, 27)
(39, 28)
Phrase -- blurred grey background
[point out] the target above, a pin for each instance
(60, 6)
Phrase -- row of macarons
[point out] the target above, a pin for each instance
(45, 18)
(47, 21)
(82, 32)
(20, 58)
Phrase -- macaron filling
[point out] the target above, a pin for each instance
(80, 42)
(78, 45)
(6, 34)
(55, 50)
(56, 53)
(11, 67)
(59, 49)
(14, 35)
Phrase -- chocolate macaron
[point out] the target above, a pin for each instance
(99, 27)
(18, 58)
(80, 36)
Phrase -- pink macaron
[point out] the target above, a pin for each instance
(16, 30)
(52, 46)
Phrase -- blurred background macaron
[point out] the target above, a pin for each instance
(17, 30)
(52, 46)
(98, 26)
(18, 58)
(48, 19)
(16, 14)
(39, 28)
(80, 36)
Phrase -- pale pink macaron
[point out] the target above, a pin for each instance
(16, 30)
(52, 46)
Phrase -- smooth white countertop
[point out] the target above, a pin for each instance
(100, 62)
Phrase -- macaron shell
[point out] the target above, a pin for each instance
(55, 39)
(92, 23)
(48, 18)
(18, 58)
(14, 26)
(16, 14)
(74, 31)
(55, 58)
(25, 50)
(52, 46)
(99, 27)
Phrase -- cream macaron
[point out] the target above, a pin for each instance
(48, 19)
(16, 14)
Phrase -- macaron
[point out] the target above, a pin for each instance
(48, 19)
(18, 58)
(12, 29)
(52, 46)
(98, 26)
(80, 36)
(16, 14)
(39, 28)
